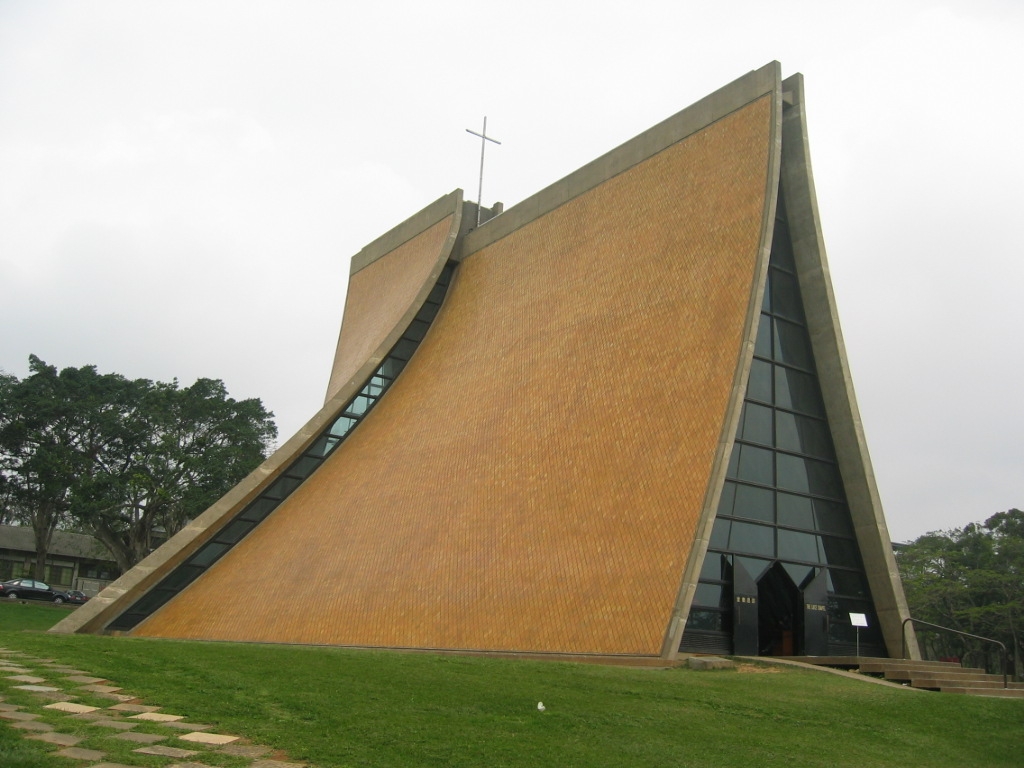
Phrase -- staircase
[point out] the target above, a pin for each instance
(943, 676)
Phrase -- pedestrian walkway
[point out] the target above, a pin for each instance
(93, 723)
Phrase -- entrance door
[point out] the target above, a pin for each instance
(744, 611)
(779, 613)
(815, 615)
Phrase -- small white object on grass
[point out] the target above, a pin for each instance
(540, 706)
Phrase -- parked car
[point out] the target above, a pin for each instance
(30, 589)
(77, 597)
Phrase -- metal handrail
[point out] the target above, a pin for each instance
(1002, 647)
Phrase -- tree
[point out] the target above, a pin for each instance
(185, 449)
(970, 579)
(121, 458)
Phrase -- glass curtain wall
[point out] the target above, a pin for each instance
(783, 501)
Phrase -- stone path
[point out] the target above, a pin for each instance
(53, 716)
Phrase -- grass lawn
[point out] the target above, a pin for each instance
(336, 707)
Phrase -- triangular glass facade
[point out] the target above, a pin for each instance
(783, 515)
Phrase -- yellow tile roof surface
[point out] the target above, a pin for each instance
(378, 295)
(533, 480)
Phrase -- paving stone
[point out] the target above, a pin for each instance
(133, 708)
(61, 739)
(99, 714)
(140, 738)
(119, 725)
(165, 751)
(156, 717)
(276, 764)
(68, 670)
(84, 679)
(36, 688)
(183, 726)
(183, 765)
(209, 738)
(99, 688)
(119, 765)
(15, 668)
(32, 725)
(9, 707)
(80, 754)
(246, 750)
(27, 679)
(118, 697)
(18, 716)
(72, 707)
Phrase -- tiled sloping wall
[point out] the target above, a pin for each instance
(533, 480)
(378, 297)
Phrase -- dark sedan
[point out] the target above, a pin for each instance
(30, 589)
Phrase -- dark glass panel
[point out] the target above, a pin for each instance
(322, 446)
(728, 499)
(342, 426)
(841, 552)
(304, 466)
(763, 341)
(207, 554)
(360, 405)
(759, 385)
(791, 345)
(754, 503)
(756, 424)
(391, 367)
(840, 628)
(403, 349)
(782, 247)
(750, 463)
(754, 567)
(849, 583)
(797, 391)
(795, 511)
(234, 532)
(832, 517)
(712, 595)
(259, 509)
(766, 300)
(786, 296)
(801, 434)
(720, 534)
(794, 545)
(428, 311)
(416, 331)
(708, 620)
(717, 567)
(753, 539)
(280, 488)
(150, 602)
(800, 574)
(808, 476)
(180, 578)
(437, 293)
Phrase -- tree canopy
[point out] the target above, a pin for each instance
(970, 579)
(120, 458)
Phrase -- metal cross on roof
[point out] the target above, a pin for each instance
(484, 138)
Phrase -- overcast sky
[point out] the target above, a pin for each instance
(182, 184)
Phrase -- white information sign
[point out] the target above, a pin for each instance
(859, 619)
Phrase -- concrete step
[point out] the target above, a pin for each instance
(944, 676)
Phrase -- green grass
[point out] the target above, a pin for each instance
(336, 707)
